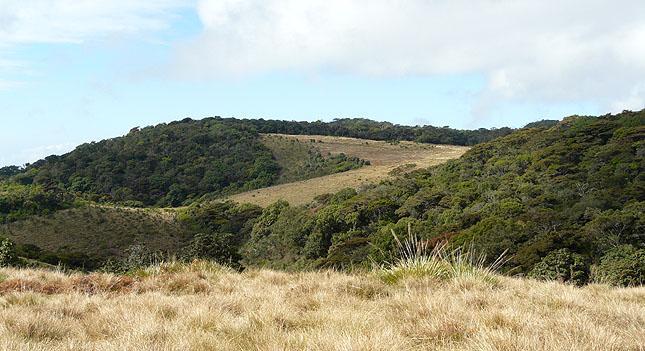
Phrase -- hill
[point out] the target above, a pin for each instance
(384, 160)
(164, 165)
(362, 128)
(205, 307)
(564, 202)
(180, 162)
(86, 235)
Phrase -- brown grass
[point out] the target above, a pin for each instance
(384, 158)
(205, 307)
(100, 231)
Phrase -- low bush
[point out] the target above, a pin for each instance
(562, 265)
(624, 265)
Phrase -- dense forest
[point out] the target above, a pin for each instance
(561, 200)
(368, 129)
(165, 165)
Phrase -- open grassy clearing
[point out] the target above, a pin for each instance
(383, 156)
(300, 159)
(201, 306)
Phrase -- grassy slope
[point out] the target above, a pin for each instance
(100, 231)
(202, 307)
(299, 159)
(384, 158)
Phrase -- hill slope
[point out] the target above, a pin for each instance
(558, 199)
(203, 307)
(101, 232)
(163, 165)
(179, 162)
(94, 233)
(386, 160)
(565, 201)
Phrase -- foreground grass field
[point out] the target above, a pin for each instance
(202, 306)
(385, 159)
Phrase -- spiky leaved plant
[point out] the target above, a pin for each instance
(416, 259)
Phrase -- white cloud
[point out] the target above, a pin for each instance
(74, 21)
(546, 50)
(24, 22)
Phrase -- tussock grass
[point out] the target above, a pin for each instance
(201, 306)
(416, 259)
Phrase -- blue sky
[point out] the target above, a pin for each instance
(71, 74)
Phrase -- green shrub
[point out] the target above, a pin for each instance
(8, 255)
(217, 247)
(624, 265)
(562, 265)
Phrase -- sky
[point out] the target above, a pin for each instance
(76, 71)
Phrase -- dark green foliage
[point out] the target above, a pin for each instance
(218, 247)
(137, 256)
(20, 201)
(9, 171)
(562, 265)
(221, 230)
(367, 129)
(8, 255)
(576, 186)
(166, 165)
(545, 123)
(277, 237)
(623, 265)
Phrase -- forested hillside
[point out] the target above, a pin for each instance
(560, 200)
(368, 129)
(19, 201)
(163, 165)
(179, 162)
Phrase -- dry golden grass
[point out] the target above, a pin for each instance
(204, 307)
(384, 158)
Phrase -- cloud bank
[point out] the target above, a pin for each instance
(548, 50)
(73, 21)
(25, 22)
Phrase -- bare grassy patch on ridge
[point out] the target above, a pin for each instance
(384, 158)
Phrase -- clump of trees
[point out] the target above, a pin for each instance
(18, 201)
